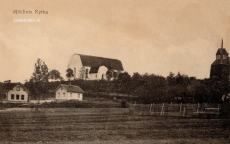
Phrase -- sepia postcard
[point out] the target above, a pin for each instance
(114, 71)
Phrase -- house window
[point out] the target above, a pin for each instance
(4, 96)
(70, 94)
(63, 94)
(78, 95)
(58, 94)
(18, 88)
(12, 96)
(17, 97)
(22, 97)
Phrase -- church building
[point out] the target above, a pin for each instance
(221, 66)
(94, 68)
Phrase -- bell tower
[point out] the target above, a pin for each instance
(221, 66)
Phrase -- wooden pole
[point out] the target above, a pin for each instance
(180, 108)
(197, 108)
(150, 109)
(157, 107)
(162, 109)
(184, 112)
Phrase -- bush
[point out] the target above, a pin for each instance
(123, 104)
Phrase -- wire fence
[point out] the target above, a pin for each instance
(185, 110)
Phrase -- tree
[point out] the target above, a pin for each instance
(124, 82)
(109, 75)
(41, 72)
(136, 80)
(38, 78)
(55, 75)
(69, 73)
(171, 79)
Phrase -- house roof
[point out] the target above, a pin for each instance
(93, 61)
(71, 88)
(10, 86)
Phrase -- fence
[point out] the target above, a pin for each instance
(185, 110)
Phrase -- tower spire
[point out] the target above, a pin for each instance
(222, 43)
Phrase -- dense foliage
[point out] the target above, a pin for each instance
(149, 88)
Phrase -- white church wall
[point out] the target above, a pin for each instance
(75, 64)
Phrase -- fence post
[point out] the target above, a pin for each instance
(162, 109)
(150, 109)
(184, 112)
(180, 108)
(197, 108)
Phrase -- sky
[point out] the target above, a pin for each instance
(148, 36)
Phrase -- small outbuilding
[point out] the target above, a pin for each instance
(14, 93)
(69, 92)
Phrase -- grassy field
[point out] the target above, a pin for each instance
(106, 125)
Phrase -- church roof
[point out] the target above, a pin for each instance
(93, 70)
(93, 61)
(221, 61)
(221, 51)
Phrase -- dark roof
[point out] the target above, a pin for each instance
(221, 51)
(71, 88)
(221, 61)
(93, 61)
(93, 69)
(10, 86)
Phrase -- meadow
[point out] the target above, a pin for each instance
(106, 125)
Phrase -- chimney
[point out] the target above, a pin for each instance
(7, 81)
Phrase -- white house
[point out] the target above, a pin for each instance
(69, 92)
(14, 92)
(94, 68)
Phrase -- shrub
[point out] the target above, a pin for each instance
(123, 103)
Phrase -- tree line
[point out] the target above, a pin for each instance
(148, 88)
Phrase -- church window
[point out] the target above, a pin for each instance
(102, 76)
(74, 73)
(86, 73)
(217, 56)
